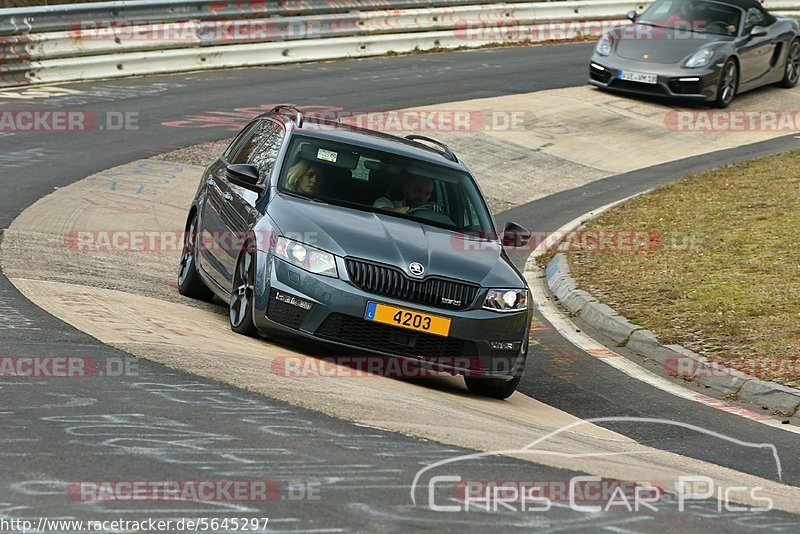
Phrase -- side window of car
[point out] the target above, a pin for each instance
(246, 132)
(754, 17)
(266, 150)
(241, 153)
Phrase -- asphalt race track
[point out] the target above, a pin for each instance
(334, 476)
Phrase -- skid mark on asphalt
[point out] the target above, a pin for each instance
(201, 342)
(23, 158)
(53, 95)
(119, 298)
(177, 446)
(10, 317)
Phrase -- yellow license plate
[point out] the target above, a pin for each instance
(413, 320)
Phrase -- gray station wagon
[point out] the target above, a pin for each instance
(370, 242)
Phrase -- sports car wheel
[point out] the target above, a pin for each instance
(492, 387)
(241, 308)
(728, 81)
(189, 283)
(792, 72)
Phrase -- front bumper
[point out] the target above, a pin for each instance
(673, 81)
(336, 316)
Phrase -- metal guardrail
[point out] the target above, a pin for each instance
(60, 17)
(112, 39)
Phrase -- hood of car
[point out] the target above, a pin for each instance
(660, 45)
(393, 241)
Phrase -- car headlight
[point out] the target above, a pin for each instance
(604, 45)
(701, 58)
(506, 300)
(306, 257)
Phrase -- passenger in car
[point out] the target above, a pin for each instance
(417, 192)
(305, 177)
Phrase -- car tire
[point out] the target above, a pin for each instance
(728, 83)
(492, 387)
(242, 297)
(189, 282)
(791, 72)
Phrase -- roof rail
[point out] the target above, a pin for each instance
(448, 153)
(292, 111)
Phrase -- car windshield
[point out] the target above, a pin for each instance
(383, 182)
(699, 16)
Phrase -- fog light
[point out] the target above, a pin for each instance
(294, 301)
(505, 345)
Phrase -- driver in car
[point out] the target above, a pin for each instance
(417, 193)
(305, 177)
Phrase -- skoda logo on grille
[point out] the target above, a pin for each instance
(416, 269)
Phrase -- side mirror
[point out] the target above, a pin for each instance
(758, 31)
(632, 14)
(245, 176)
(515, 235)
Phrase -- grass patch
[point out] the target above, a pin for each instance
(721, 272)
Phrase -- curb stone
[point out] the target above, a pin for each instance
(678, 360)
(776, 396)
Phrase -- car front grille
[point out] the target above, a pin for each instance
(284, 313)
(601, 76)
(685, 87)
(392, 282)
(399, 341)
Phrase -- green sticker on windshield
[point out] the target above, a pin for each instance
(327, 155)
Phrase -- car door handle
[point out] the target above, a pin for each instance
(227, 196)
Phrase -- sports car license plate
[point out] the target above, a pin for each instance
(638, 77)
(413, 320)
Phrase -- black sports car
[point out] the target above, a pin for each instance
(706, 50)
(364, 240)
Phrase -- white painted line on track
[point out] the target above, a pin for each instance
(568, 330)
